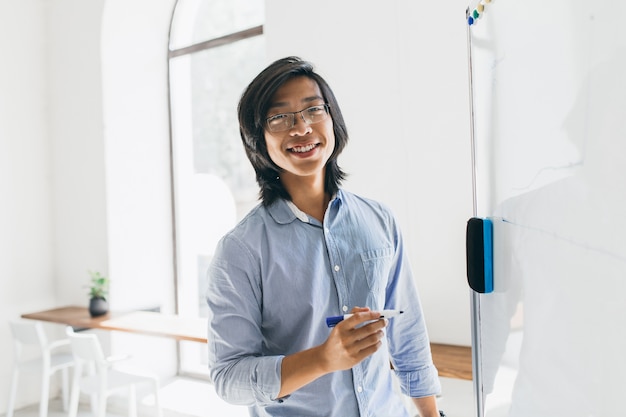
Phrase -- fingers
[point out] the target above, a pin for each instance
(368, 334)
(369, 342)
(360, 316)
(353, 339)
(359, 309)
(369, 349)
(362, 331)
(343, 351)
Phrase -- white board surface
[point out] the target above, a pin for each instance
(548, 84)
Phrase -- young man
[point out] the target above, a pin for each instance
(311, 250)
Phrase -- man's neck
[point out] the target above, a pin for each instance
(308, 194)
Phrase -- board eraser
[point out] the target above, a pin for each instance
(479, 251)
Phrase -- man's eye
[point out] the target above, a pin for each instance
(277, 118)
(315, 109)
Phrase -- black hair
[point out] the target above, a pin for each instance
(252, 110)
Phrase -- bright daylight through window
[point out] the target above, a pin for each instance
(216, 47)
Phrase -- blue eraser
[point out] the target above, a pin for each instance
(479, 252)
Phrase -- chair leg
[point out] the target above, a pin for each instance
(12, 393)
(102, 406)
(75, 391)
(102, 403)
(65, 388)
(45, 392)
(93, 398)
(132, 401)
(93, 403)
(157, 404)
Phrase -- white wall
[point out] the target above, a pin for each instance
(26, 254)
(135, 41)
(137, 152)
(55, 171)
(84, 154)
(52, 186)
(74, 126)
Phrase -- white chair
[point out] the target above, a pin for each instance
(103, 380)
(33, 353)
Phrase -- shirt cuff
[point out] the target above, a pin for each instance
(266, 379)
(421, 383)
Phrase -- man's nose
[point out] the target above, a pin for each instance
(300, 125)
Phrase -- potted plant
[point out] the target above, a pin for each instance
(98, 292)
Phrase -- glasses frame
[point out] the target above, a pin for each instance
(293, 118)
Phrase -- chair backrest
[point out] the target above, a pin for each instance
(28, 333)
(86, 346)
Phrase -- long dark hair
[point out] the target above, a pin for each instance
(252, 110)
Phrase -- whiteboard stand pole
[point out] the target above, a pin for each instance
(475, 297)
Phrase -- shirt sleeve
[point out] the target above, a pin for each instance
(407, 336)
(240, 372)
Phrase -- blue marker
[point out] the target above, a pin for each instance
(385, 314)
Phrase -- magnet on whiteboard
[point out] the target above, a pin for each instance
(479, 252)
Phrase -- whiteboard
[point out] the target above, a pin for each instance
(548, 103)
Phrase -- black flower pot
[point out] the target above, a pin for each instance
(98, 307)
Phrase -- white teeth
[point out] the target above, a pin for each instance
(301, 149)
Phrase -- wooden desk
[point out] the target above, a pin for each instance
(451, 361)
(143, 322)
(192, 329)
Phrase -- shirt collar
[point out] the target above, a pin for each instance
(302, 216)
(284, 211)
(281, 212)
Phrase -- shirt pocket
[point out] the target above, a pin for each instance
(377, 263)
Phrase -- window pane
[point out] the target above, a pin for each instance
(214, 183)
(196, 21)
(219, 76)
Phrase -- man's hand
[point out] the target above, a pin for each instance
(349, 342)
(353, 340)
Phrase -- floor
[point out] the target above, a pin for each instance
(192, 398)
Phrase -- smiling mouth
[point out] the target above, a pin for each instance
(303, 149)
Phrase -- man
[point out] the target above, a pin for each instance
(311, 250)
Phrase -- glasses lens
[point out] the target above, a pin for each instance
(315, 114)
(280, 122)
(285, 121)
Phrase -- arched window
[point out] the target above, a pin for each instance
(216, 48)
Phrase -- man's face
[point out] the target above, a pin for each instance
(304, 149)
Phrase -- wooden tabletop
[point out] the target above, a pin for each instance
(71, 315)
(143, 322)
(451, 361)
(193, 329)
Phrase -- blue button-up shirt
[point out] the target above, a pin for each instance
(275, 278)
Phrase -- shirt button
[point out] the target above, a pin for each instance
(359, 388)
(345, 308)
(337, 268)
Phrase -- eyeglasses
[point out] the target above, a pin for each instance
(285, 121)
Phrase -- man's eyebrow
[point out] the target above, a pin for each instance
(304, 100)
